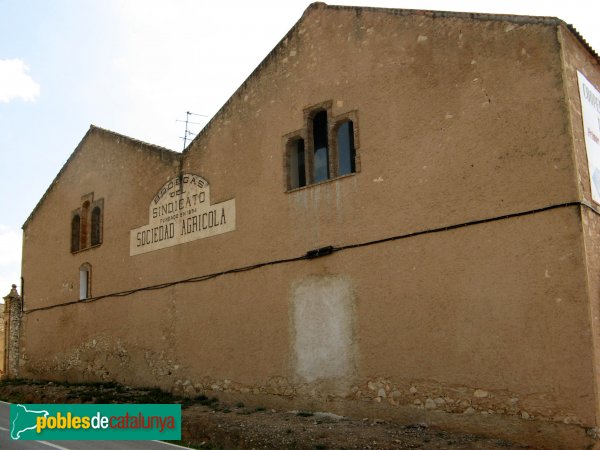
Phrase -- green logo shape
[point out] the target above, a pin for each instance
(23, 419)
(95, 422)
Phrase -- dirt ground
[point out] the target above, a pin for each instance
(213, 424)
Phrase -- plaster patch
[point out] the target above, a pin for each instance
(322, 317)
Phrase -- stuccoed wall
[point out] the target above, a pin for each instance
(454, 318)
(479, 318)
(576, 58)
(2, 340)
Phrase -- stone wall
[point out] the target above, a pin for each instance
(12, 332)
(2, 340)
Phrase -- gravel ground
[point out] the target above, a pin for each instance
(247, 428)
(213, 424)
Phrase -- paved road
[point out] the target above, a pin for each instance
(7, 443)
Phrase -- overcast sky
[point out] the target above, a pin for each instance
(136, 66)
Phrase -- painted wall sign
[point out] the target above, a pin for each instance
(590, 111)
(181, 212)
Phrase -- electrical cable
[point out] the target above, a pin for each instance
(311, 254)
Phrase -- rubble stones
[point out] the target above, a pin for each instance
(430, 404)
(480, 393)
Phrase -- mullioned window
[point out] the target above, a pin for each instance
(324, 149)
(87, 224)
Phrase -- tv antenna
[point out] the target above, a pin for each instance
(187, 135)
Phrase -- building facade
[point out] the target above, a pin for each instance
(2, 341)
(393, 216)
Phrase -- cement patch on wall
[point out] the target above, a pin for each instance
(322, 318)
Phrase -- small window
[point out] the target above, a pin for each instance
(96, 226)
(87, 223)
(75, 228)
(326, 147)
(85, 279)
(345, 148)
(296, 162)
(84, 224)
(321, 155)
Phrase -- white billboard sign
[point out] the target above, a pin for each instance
(181, 212)
(590, 111)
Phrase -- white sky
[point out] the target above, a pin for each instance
(135, 66)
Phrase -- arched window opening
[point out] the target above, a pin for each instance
(84, 225)
(96, 226)
(87, 224)
(75, 230)
(321, 150)
(345, 148)
(296, 162)
(327, 147)
(85, 281)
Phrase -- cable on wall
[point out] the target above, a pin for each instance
(311, 254)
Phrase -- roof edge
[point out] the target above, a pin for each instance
(548, 20)
(520, 19)
(582, 40)
(91, 130)
(255, 72)
(150, 146)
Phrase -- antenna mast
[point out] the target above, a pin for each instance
(187, 121)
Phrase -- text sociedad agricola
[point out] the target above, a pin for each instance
(196, 223)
